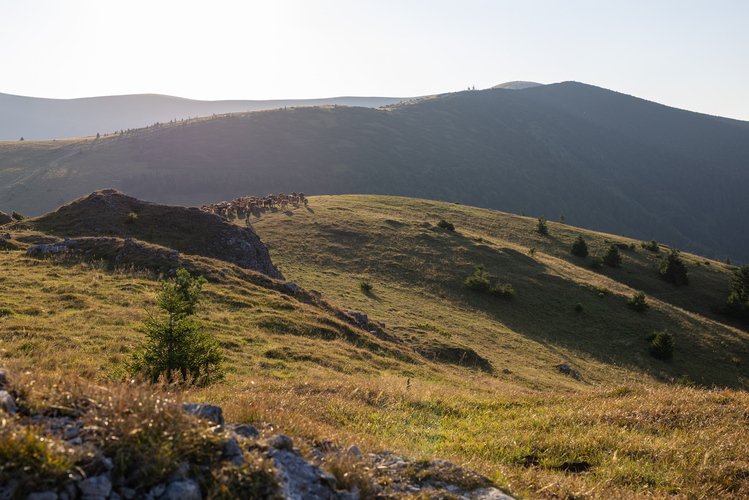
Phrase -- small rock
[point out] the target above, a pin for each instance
(246, 430)
(6, 236)
(182, 490)
(291, 287)
(353, 451)
(506, 371)
(234, 452)
(97, 486)
(208, 412)
(157, 490)
(7, 404)
(4, 378)
(280, 442)
(489, 494)
(107, 463)
(46, 495)
(114, 496)
(127, 493)
(564, 368)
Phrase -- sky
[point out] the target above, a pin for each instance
(688, 54)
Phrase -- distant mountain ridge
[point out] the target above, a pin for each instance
(607, 161)
(36, 118)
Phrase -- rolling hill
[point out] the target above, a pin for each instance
(38, 118)
(607, 161)
(436, 370)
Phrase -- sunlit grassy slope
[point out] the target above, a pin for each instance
(417, 270)
(295, 364)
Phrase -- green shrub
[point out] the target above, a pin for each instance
(737, 304)
(479, 281)
(652, 245)
(131, 218)
(433, 328)
(6, 311)
(612, 257)
(18, 216)
(638, 302)
(673, 269)
(541, 226)
(175, 346)
(503, 291)
(365, 286)
(532, 251)
(661, 345)
(446, 225)
(579, 307)
(603, 291)
(579, 247)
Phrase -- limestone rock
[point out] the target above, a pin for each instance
(280, 442)
(95, 487)
(7, 404)
(208, 412)
(182, 490)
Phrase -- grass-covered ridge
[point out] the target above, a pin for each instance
(453, 373)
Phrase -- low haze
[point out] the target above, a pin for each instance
(691, 55)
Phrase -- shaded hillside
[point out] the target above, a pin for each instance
(607, 161)
(37, 118)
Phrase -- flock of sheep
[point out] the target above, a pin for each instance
(247, 204)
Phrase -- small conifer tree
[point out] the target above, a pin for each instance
(175, 346)
(579, 247)
(673, 269)
(661, 345)
(638, 302)
(479, 281)
(541, 226)
(612, 257)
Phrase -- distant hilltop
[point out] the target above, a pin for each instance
(517, 85)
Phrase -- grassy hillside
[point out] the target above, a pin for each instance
(607, 161)
(631, 425)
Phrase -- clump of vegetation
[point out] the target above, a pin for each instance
(131, 218)
(579, 308)
(479, 282)
(433, 328)
(596, 263)
(561, 218)
(175, 346)
(638, 303)
(541, 226)
(532, 251)
(579, 247)
(365, 286)
(673, 269)
(612, 257)
(661, 345)
(651, 245)
(6, 311)
(603, 291)
(446, 225)
(737, 304)
(15, 215)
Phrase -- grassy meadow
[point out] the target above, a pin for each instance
(630, 426)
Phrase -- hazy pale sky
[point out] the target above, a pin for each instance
(688, 54)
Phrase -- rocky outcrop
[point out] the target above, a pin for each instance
(297, 475)
(5, 218)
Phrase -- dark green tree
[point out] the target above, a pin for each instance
(175, 346)
(579, 247)
(738, 300)
(612, 257)
(661, 345)
(446, 225)
(561, 218)
(728, 260)
(673, 269)
(541, 226)
(522, 212)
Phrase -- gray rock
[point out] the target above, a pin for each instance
(489, 494)
(291, 287)
(107, 463)
(246, 430)
(182, 490)
(47, 249)
(280, 442)
(45, 495)
(157, 490)
(6, 492)
(7, 404)
(564, 368)
(4, 378)
(63, 495)
(127, 493)
(6, 236)
(234, 452)
(97, 486)
(300, 480)
(114, 496)
(353, 451)
(208, 412)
